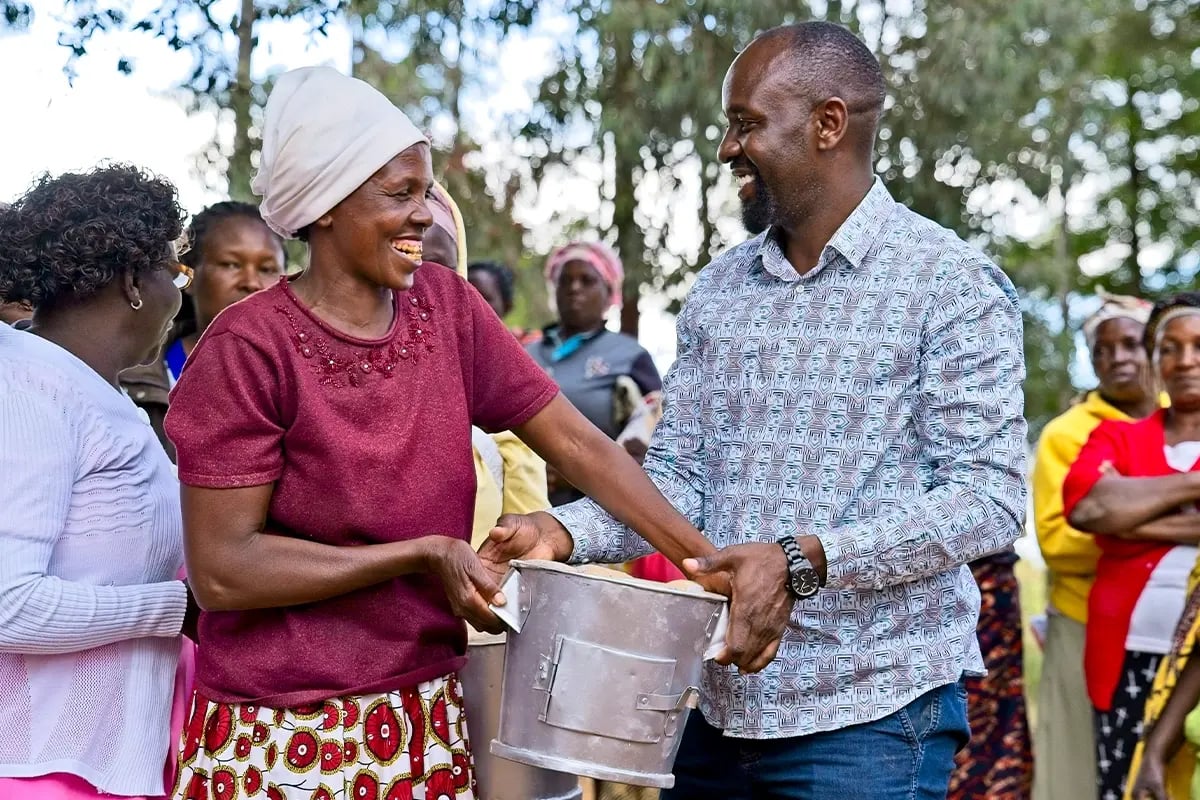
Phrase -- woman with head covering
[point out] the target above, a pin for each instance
(1135, 486)
(604, 374)
(510, 478)
(323, 432)
(232, 254)
(1066, 751)
(90, 536)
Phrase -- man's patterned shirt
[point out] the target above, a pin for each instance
(874, 402)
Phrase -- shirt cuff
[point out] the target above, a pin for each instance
(597, 537)
(840, 570)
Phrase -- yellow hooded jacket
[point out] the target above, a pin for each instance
(1070, 554)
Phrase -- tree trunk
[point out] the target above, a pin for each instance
(358, 51)
(626, 159)
(1135, 190)
(241, 168)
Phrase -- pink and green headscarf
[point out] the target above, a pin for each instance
(598, 255)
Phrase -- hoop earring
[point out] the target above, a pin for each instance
(136, 304)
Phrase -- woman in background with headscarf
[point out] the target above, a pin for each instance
(605, 375)
(608, 376)
(1135, 485)
(322, 428)
(1066, 750)
(509, 477)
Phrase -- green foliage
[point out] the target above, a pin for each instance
(15, 15)
(220, 44)
(1062, 138)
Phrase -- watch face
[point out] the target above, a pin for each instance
(805, 582)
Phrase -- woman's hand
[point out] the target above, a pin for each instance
(468, 585)
(191, 617)
(1150, 783)
(555, 481)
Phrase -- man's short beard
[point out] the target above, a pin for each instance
(760, 211)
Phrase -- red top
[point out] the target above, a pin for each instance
(366, 442)
(1135, 450)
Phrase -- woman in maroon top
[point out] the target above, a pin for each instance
(323, 431)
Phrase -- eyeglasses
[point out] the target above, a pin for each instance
(183, 275)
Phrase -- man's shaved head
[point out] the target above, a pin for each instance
(827, 60)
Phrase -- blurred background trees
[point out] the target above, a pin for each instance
(1062, 138)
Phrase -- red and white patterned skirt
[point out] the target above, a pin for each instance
(405, 745)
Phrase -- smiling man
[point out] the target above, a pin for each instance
(845, 418)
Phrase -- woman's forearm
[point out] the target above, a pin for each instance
(49, 615)
(1175, 528)
(233, 564)
(1117, 504)
(601, 469)
(1165, 737)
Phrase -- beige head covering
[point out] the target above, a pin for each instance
(324, 135)
(1115, 306)
(447, 217)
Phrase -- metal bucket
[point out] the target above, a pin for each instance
(601, 671)
(500, 779)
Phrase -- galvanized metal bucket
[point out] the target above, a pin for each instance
(500, 779)
(600, 671)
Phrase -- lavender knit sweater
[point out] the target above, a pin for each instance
(90, 544)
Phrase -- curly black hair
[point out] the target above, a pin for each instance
(209, 218)
(1181, 300)
(502, 275)
(70, 236)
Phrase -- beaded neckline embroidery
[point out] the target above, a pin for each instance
(339, 364)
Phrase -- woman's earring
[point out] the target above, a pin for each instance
(136, 304)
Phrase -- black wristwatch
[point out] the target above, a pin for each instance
(803, 580)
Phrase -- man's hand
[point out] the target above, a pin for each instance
(524, 536)
(636, 448)
(760, 604)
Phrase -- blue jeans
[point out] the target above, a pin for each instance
(908, 755)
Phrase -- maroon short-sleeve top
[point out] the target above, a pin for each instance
(365, 441)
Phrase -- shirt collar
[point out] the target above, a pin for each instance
(853, 238)
(552, 334)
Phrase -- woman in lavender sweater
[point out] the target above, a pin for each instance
(90, 525)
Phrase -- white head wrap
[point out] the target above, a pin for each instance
(1115, 306)
(1160, 328)
(325, 134)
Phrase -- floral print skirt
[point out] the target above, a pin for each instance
(405, 745)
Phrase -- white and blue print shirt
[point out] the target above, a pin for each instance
(874, 402)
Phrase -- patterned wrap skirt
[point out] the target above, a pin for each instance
(997, 764)
(405, 745)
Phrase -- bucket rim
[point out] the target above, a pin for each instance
(628, 580)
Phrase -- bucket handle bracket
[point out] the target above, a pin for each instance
(668, 702)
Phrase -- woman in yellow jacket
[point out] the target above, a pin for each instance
(1066, 755)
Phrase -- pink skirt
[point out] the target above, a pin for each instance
(63, 786)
